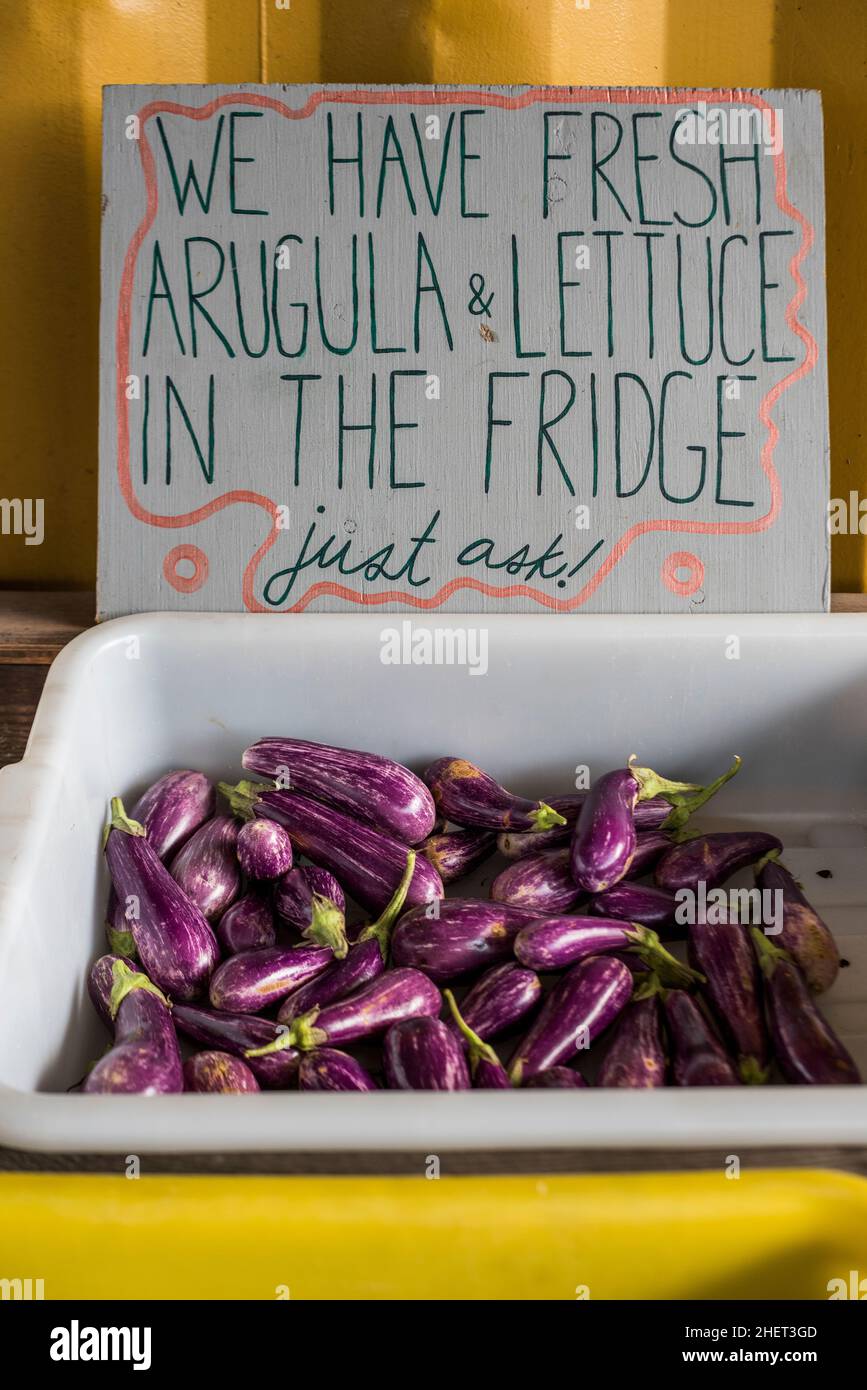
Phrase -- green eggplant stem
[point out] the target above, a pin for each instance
(124, 981)
(666, 967)
(119, 820)
(545, 817)
(772, 857)
(301, 1034)
(479, 1050)
(686, 806)
(243, 797)
(381, 929)
(769, 955)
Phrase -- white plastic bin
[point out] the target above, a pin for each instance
(129, 700)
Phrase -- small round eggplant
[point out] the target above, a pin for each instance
(540, 883)
(264, 849)
(805, 937)
(501, 998)
(698, 1056)
(636, 1057)
(100, 983)
(464, 935)
(578, 1009)
(207, 869)
(724, 955)
(420, 1054)
(556, 1078)
(253, 980)
(173, 941)
(711, 859)
(390, 998)
(326, 1069)
(375, 789)
(455, 853)
(145, 1059)
(636, 902)
(218, 1071)
(806, 1047)
(467, 796)
(605, 836)
(312, 900)
(239, 1034)
(173, 809)
(246, 925)
(486, 1069)
(552, 943)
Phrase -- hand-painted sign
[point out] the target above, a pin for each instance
(549, 350)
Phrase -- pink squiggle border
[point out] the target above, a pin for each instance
(532, 96)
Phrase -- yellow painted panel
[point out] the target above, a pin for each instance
(678, 1235)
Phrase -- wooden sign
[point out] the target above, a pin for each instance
(433, 349)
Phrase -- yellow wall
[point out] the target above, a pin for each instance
(56, 54)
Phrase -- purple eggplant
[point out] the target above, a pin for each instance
(207, 868)
(486, 1069)
(253, 980)
(174, 943)
(636, 1057)
(326, 1069)
(466, 934)
(145, 1059)
(805, 937)
(420, 1054)
(557, 1078)
(605, 838)
(805, 1045)
(390, 998)
(239, 1034)
(540, 883)
(578, 1009)
(365, 960)
(246, 925)
(456, 853)
(467, 796)
(636, 902)
(501, 998)
(264, 849)
(366, 786)
(711, 859)
(218, 1071)
(173, 809)
(724, 955)
(552, 943)
(100, 982)
(515, 844)
(118, 924)
(698, 1058)
(650, 846)
(368, 862)
(312, 900)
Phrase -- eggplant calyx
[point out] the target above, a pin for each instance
(769, 955)
(120, 943)
(300, 1034)
(479, 1051)
(650, 784)
(772, 857)
(545, 817)
(666, 967)
(327, 926)
(686, 806)
(750, 1073)
(124, 981)
(243, 797)
(119, 820)
(381, 929)
(648, 988)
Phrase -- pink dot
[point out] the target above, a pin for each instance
(673, 575)
(186, 568)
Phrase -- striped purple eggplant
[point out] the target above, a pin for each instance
(552, 943)
(636, 1058)
(540, 883)
(465, 934)
(486, 1069)
(366, 786)
(698, 1058)
(207, 868)
(650, 846)
(420, 1054)
(724, 955)
(805, 937)
(368, 863)
(455, 853)
(578, 1009)
(467, 796)
(312, 901)
(173, 941)
(366, 959)
(264, 849)
(515, 844)
(390, 998)
(327, 1069)
(238, 1034)
(218, 1072)
(636, 902)
(501, 998)
(805, 1045)
(556, 1078)
(711, 859)
(100, 982)
(145, 1059)
(246, 925)
(173, 809)
(253, 980)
